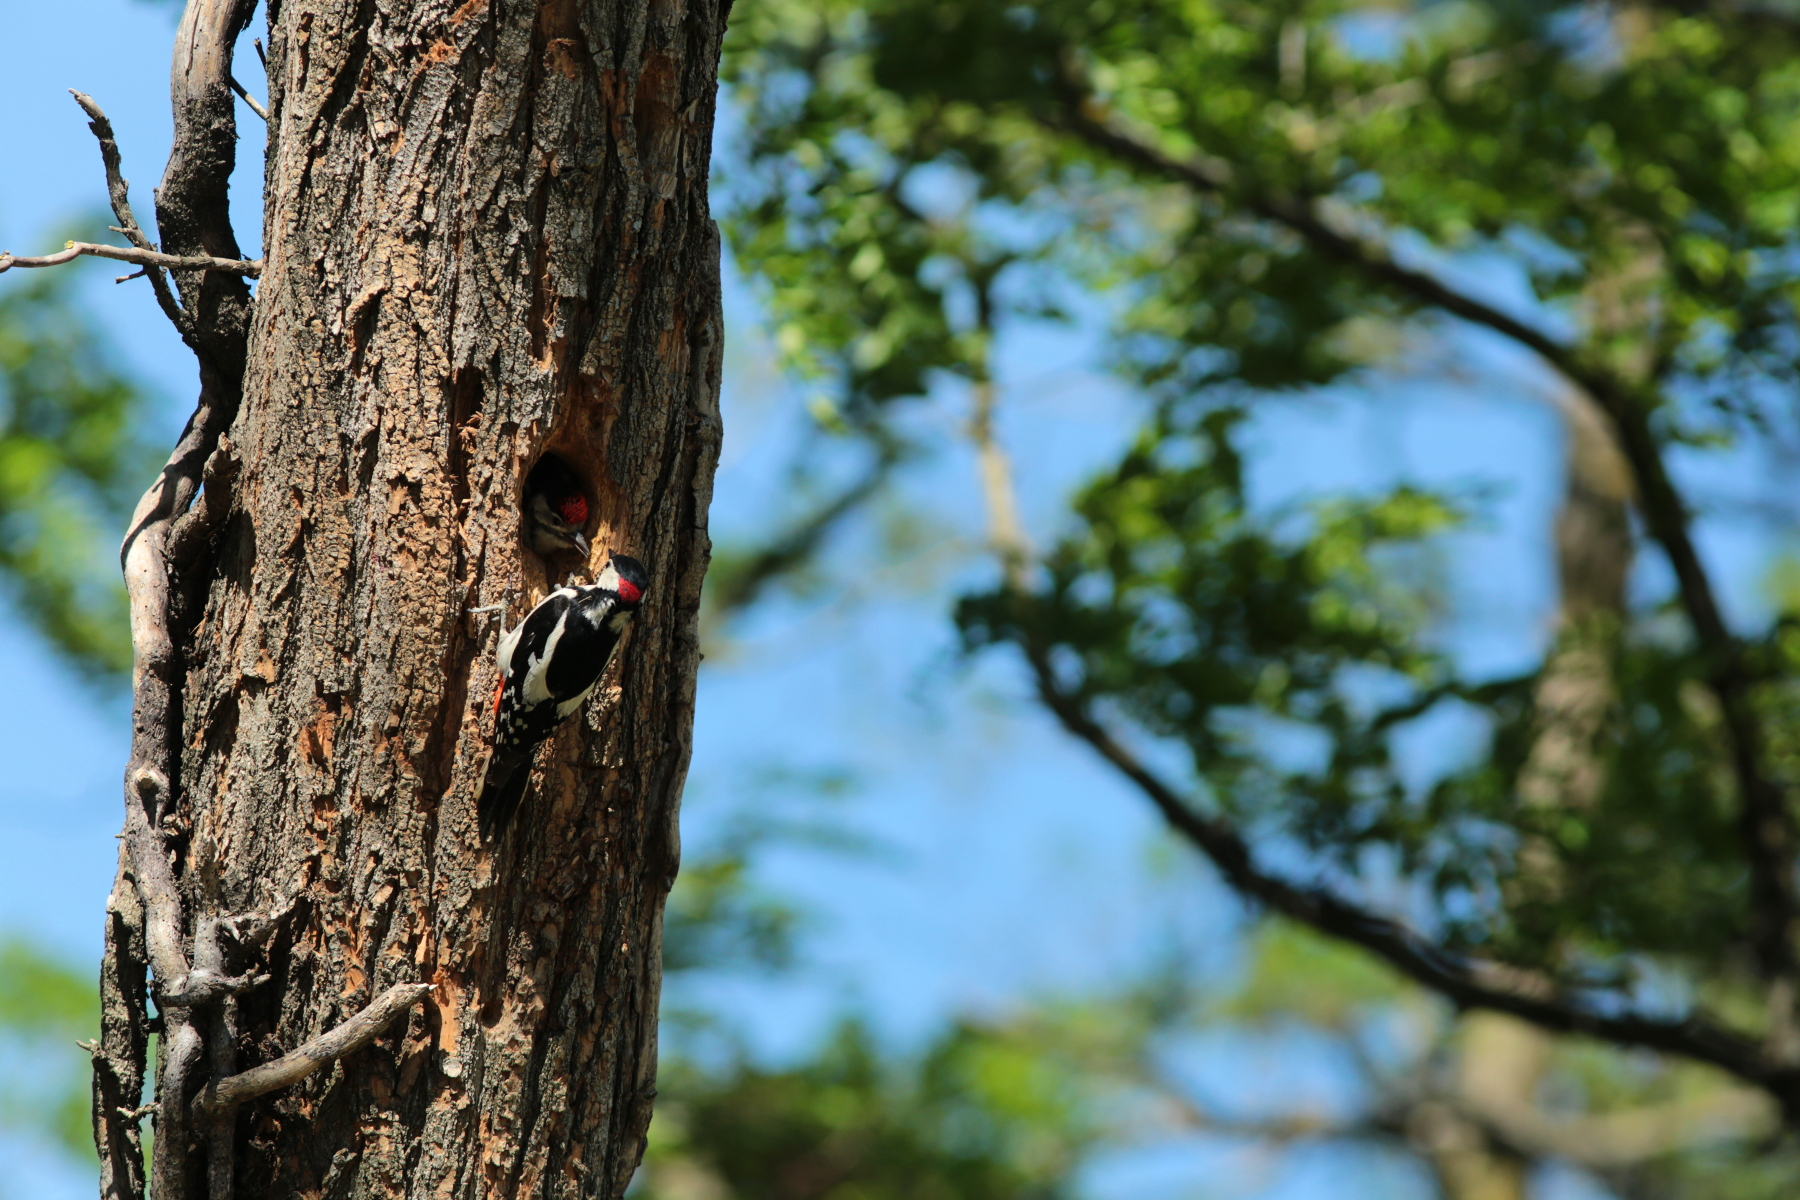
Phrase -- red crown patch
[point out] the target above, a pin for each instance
(573, 509)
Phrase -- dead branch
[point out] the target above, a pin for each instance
(193, 213)
(143, 258)
(156, 881)
(118, 1055)
(193, 530)
(223, 1095)
(118, 192)
(247, 98)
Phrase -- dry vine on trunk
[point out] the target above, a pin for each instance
(488, 237)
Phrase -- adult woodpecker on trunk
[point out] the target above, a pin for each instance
(548, 664)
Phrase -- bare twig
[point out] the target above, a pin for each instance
(247, 98)
(118, 192)
(1767, 827)
(223, 1095)
(146, 258)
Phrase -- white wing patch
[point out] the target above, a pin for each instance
(537, 674)
(508, 644)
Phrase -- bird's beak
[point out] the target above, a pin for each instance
(581, 543)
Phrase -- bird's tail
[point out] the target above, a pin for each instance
(508, 774)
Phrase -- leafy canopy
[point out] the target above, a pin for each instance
(1270, 199)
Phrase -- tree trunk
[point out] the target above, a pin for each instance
(1500, 1059)
(487, 236)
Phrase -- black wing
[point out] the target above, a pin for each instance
(587, 644)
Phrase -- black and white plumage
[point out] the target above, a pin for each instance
(548, 664)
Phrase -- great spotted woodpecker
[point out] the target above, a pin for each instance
(548, 665)
(556, 509)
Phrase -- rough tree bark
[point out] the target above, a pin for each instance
(487, 236)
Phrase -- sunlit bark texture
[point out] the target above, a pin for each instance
(487, 235)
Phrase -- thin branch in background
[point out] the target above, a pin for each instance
(247, 98)
(1006, 532)
(1465, 982)
(1628, 1137)
(1766, 826)
(732, 591)
(144, 258)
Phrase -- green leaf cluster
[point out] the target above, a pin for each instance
(45, 1008)
(976, 1117)
(73, 459)
(918, 177)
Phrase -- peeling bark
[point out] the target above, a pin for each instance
(487, 236)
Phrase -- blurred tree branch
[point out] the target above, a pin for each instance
(739, 577)
(1767, 823)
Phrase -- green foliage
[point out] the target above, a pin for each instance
(45, 1008)
(918, 176)
(1280, 652)
(974, 1117)
(73, 460)
(1230, 186)
(1294, 974)
(717, 917)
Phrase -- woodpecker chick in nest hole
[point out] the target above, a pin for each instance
(556, 509)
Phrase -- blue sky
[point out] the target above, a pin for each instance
(1009, 864)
